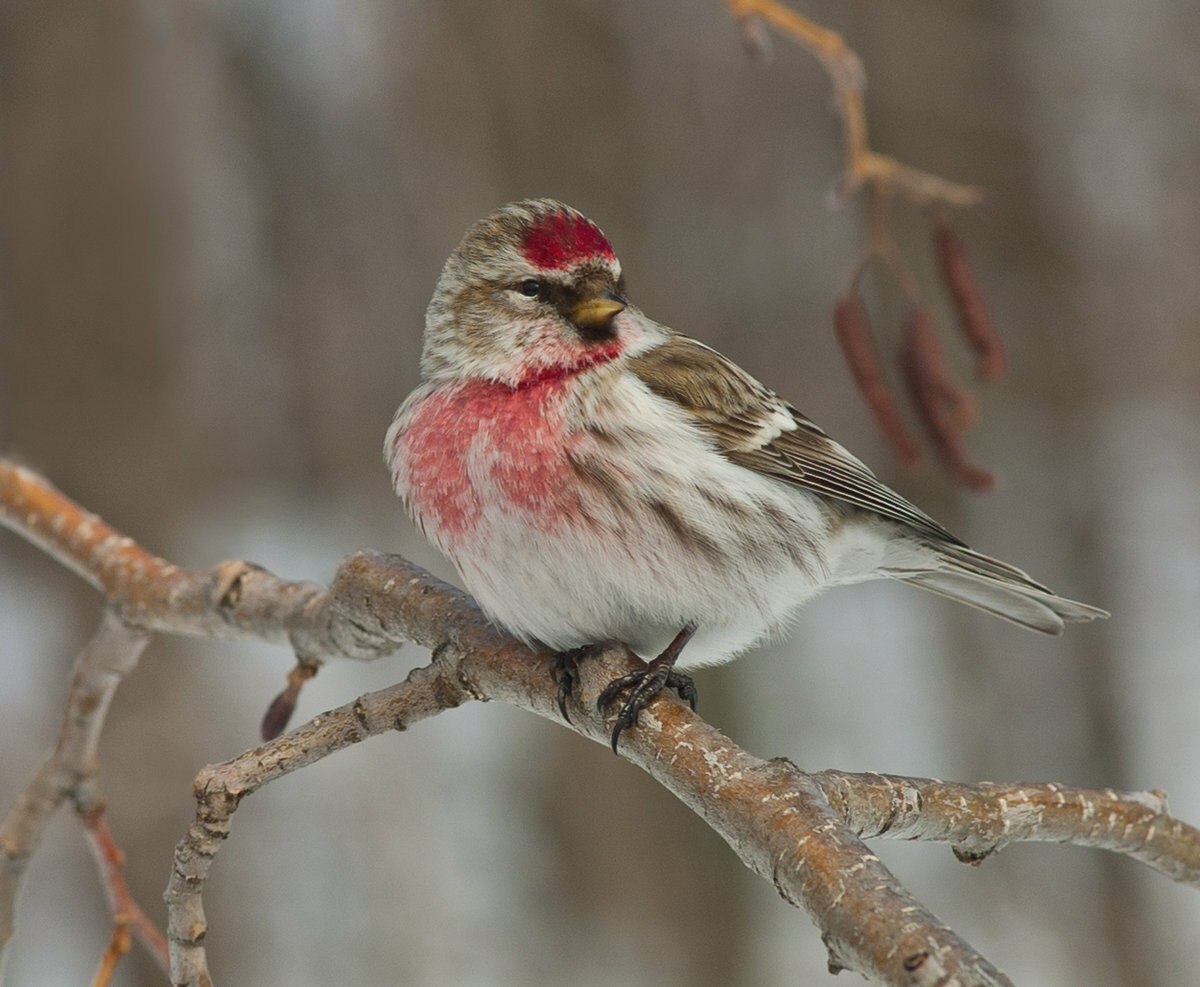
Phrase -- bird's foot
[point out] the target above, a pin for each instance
(564, 670)
(643, 686)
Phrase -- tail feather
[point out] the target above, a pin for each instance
(1000, 589)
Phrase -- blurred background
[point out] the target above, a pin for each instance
(220, 223)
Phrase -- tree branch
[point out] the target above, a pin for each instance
(980, 819)
(233, 600)
(863, 165)
(795, 829)
(801, 831)
(886, 179)
(129, 921)
(68, 770)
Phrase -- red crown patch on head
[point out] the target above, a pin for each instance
(562, 239)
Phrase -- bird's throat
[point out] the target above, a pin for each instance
(566, 364)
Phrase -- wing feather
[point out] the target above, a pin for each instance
(752, 426)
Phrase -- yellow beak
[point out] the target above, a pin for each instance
(596, 313)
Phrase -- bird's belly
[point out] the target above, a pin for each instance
(570, 592)
(636, 564)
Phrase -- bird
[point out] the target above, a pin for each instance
(595, 476)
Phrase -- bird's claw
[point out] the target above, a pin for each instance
(643, 686)
(564, 670)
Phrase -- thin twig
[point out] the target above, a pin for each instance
(219, 790)
(128, 916)
(110, 655)
(117, 947)
(863, 165)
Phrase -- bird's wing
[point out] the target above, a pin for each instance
(753, 427)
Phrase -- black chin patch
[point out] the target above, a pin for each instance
(604, 332)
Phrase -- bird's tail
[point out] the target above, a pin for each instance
(998, 588)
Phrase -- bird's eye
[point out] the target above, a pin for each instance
(530, 288)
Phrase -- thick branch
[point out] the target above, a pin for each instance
(772, 815)
(795, 829)
(799, 830)
(233, 600)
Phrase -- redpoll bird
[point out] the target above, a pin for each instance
(596, 476)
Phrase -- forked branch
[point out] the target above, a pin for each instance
(68, 774)
(801, 831)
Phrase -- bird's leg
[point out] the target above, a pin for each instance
(648, 682)
(564, 670)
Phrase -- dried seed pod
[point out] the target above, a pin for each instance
(279, 713)
(920, 341)
(942, 404)
(853, 330)
(958, 275)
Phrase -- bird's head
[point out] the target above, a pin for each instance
(533, 290)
